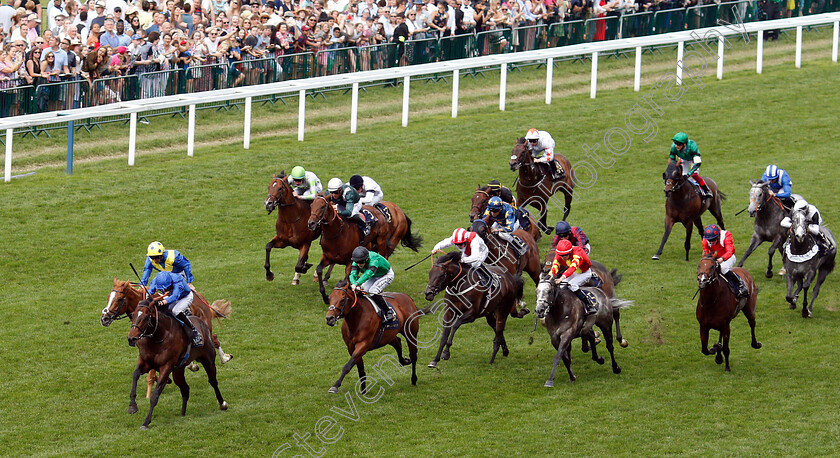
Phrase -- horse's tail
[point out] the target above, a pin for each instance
(616, 277)
(722, 195)
(409, 240)
(621, 303)
(520, 287)
(221, 308)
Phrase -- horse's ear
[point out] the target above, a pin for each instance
(478, 187)
(116, 282)
(663, 175)
(753, 182)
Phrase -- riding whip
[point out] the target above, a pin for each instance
(695, 293)
(742, 211)
(418, 262)
(139, 281)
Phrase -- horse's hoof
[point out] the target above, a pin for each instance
(433, 364)
(223, 405)
(616, 369)
(624, 343)
(756, 345)
(405, 361)
(333, 389)
(600, 360)
(572, 379)
(505, 351)
(295, 282)
(655, 257)
(549, 384)
(225, 358)
(727, 369)
(144, 427)
(445, 356)
(269, 276)
(768, 274)
(132, 408)
(193, 366)
(719, 358)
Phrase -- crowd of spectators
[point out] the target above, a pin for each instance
(73, 40)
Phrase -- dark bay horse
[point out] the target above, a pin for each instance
(163, 345)
(291, 228)
(718, 306)
(684, 205)
(504, 255)
(535, 186)
(123, 301)
(768, 212)
(339, 237)
(466, 300)
(804, 263)
(361, 328)
(565, 320)
(479, 206)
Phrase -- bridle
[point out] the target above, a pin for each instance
(476, 206)
(276, 200)
(711, 278)
(344, 302)
(144, 333)
(118, 314)
(447, 281)
(321, 218)
(521, 162)
(773, 199)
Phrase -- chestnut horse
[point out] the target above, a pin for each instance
(165, 346)
(123, 300)
(291, 227)
(360, 329)
(535, 186)
(718, 306)
(504, 255)
(479, 206)
(684, 205)
(466, 300)
(339, 237)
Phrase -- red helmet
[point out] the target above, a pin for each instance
(459, 235)
(564, 247)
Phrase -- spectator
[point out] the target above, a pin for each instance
(100, 17)
(123, 38)
(146, 15)
(158, 21)
(440, 21)
(119, 19)
(109, 36)
(467, 24)
(58, 53)
(33, 68)
(773, 10)
(7, 12)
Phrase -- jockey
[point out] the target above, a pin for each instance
(177, 300)
(576, 271)
(345, 200)
(687, 155)
(305, 184)
(542, 150)
(779, 182)
(494, 188)
(719, 242)
(371, 193)
(501, 218)
(163, 260)
(376, 275)
(575, 235)
(814, 221)
(473, 251)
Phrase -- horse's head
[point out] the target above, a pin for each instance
(479, 227)
(319, 212)
(673, 178)
(445, 270)
(799, 225)
(707, 271)
(546, 292)
(342, 300)
(759, 195)
(145, 322)
(279, 192)
(521, 154)
(479, 203)
(117, 303)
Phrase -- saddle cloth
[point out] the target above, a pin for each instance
(393, 323)
(523, 216)
(696, 186)
(385, 211)
(595, 281)
(368, 216)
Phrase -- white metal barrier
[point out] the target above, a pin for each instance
(455, 66)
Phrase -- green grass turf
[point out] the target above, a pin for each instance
(65, 379)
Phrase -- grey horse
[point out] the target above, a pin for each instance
(768, 212)
(803, 262)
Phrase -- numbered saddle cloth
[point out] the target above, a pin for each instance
(385, 211)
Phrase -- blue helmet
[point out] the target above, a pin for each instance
(712, 232)
(495, 203)
(562, 228)
(772, 172)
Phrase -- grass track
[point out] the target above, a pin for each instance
(65, 379)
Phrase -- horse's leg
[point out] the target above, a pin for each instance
(302, 266)
(669, 223)
(412, 356)
(181, 382)
(806, 283)
(749, 312)
(397, 344)
(562, 355)
(688, 230)
(492, 321)
(607, 331)
(567, 206)
(357, 354)
(150, 383)
(458, 322)
(796, 294)
(816, 292)
(161, 384)
(269, 275)
(789, 297)
(704, 341)
(754, 243)
(132, 403)
(318, 271)
(774, 245)
(210, 369)
(447, 317)
(360, 366)
(724, 334)
(591, 338)
(617, 320)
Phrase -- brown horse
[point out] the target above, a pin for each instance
(339, 237)
(165, 346)
(466, 300)
(504, 255)
(718, 306)
(479, 205)
(291, 227)
(535, 186)
(123, 301)
(684, 205)
(360, 329)
(565, 320)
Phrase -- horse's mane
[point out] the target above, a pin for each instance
(672, 166)
(474, 227)
(521, 140)
(341, 283)
(452, 255)
(483, 188)
(281, 175)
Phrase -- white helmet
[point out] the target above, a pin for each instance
(334, 185)
(800, 205)
(533, 134)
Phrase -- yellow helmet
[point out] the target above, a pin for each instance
(155, 249)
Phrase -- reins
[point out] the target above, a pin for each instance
(143, 333)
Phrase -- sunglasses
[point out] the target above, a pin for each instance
(679, 143)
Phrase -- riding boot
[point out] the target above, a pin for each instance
(707, 193)
(736, 284)
(191, 330)
(588, 307)
(484, 275)
(363, 225)
(379, 301)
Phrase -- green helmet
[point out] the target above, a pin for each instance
(298, 173)
(681, 137)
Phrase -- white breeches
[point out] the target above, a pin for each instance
(577, 279)
(371, 198)
(687, 165)
(727, 265)
(376, 284)
(507, 236)
(182, 304)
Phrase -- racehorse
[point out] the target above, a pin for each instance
(684, 205)
(467, 300)
(123, 301)
(291, 227)
(565, 320)
(340, 237)
(361, 329)
(166, 347)
(803, 262)
(504, 255)
(479, 205)
(768, 212)
(535, 186)
(718, 306)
